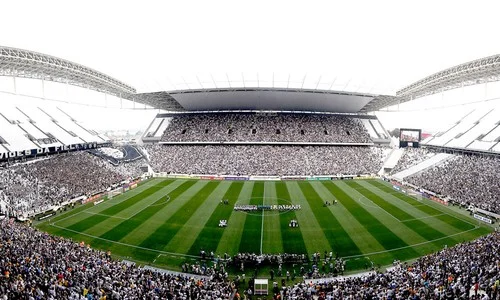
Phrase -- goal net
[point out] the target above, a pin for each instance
(414, 194)
(114, 192)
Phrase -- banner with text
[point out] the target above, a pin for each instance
(48, 150)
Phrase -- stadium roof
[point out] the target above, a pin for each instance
(300, 95)
(30, 64)
(259, 98)
(478, 71)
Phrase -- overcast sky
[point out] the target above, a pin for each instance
(156, 45)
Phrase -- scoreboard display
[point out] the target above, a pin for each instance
(409, 137)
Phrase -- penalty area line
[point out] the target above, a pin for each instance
(104, 215)
(375, 205)
(110, 202)
(422, 218)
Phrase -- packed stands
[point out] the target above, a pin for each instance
(466, 271)
(37, 185)
(265, 160)
(468, 179)
(130, 169)
(118, 154)
(261, 128)
(57, 268)
(36, 265)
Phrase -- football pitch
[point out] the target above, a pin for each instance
(371, 222)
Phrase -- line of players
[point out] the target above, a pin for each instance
(223, 223)
(226, 201)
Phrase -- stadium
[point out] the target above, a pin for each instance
(246, 186)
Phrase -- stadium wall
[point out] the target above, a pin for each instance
(259, 178)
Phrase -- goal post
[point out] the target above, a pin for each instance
(412, 193)
(115, 192)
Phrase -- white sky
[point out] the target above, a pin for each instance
(155, 45)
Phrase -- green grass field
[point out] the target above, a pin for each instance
(371, 221)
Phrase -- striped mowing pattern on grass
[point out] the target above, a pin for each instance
(113, 210)
(192, 228)
(340, 241)
(211, 234)
(312, 233)
(371, 219)
(385, 236)
(418, 226)
(146, 213)
(293, 241)
(457, 223)
(251, 235)
(162, 235)
(155, 199)
(231, 238)
(359, 234)
(414, 210)
(273, 239)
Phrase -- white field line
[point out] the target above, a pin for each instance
(125, 244)
(423, 201)
(455, 217)
(403, 221)
(262, 232)
(160, 204)
(197, 257)
(376, 206)
(442, 211)
(428, 217)
(147, 206)
(410, 246)
(104, 215)
(90, 207)
(71, 216)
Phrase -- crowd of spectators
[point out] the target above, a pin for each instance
(411, 156)
(246, 127)
(36, 265)
(265, 160)
(466, 271)
(466, 179)
(118, 154)
(37, 185)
